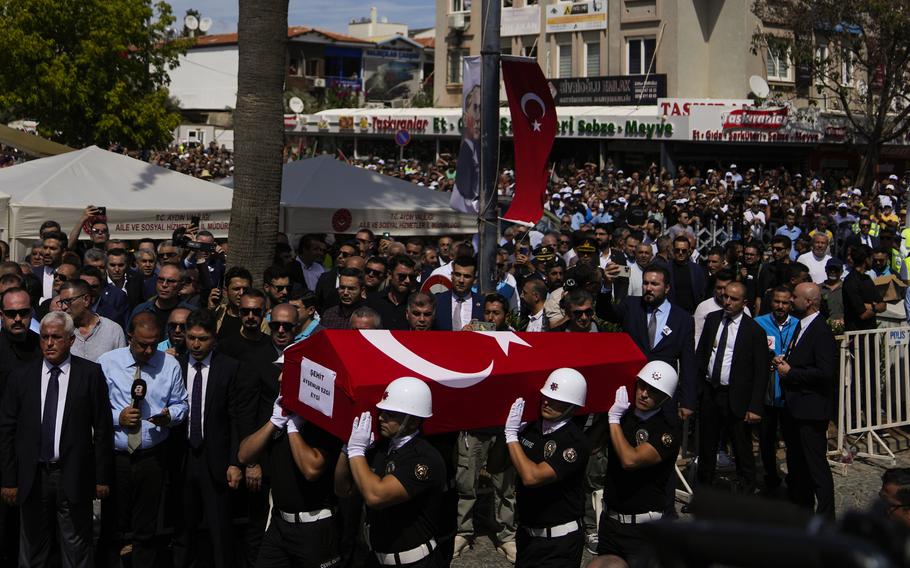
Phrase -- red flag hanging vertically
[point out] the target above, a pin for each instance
(533, 131)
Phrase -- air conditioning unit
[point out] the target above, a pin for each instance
(458, 21)
(319, 82)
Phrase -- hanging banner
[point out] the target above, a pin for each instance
(467, 169)
(612, 90)
(577, 16)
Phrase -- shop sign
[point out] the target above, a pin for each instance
(755, 119)
(589, 127)
(520, 21)
(577, 16)
(393, 54)
(610, 90)
(390, 124)
(682, 107)
(781, 125)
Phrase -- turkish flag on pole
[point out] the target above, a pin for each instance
(533, 131)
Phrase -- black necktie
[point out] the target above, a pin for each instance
(49, 418)
(196, 408)
(719, 354)
(799, 327)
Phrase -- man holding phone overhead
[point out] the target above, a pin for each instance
(94, 223)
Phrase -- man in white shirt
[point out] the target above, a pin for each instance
(817, 258)
(533, 297)
(714, 303)
(755, 218)
(644, 253)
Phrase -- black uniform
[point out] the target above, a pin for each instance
(419, 467)
(301, 544)
(637, 491)
(555, 504)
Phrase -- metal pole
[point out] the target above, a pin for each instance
(489, 145)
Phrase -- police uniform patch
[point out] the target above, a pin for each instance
(390, 468)
(667, 439)
(549, 449)
(641, 436)
(421, 472)
(570, 455)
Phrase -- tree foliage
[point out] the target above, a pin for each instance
(858, 54)
(89, 71)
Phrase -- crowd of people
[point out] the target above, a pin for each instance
(144, 375)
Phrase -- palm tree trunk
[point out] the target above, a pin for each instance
(258, 133)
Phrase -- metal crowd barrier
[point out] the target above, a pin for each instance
(874, 391)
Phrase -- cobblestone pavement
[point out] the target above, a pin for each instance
(856, 485)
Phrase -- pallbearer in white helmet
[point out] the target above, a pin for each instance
(641, 451)
(401, 478)
(550, 456)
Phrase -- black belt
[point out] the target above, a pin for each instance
(50, 466)
(140, 452)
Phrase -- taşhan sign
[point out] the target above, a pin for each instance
(781, 125)
(682, 107)
(610, 90)
(520, 21)
(577, 16)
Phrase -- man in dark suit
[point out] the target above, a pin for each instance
(107, 299)
(863, 237)
(122, 277)
(687, 279)
(457, 307)
(733, 365)
(53, 245)
(808, 377)
(56, 447)
(660, 329)
(211, 435)
(259, 386)
(327, 285)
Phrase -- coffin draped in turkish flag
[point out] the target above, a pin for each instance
(474, 376)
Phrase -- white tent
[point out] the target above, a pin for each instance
(325, 195)
(142, 200)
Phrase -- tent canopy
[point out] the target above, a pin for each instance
(325, 195)
(142, 200)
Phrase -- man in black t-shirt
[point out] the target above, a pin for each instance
(300, 457)
(550, 456)
(402, 478)
(641, 454)
(861, 301)
(250, 338)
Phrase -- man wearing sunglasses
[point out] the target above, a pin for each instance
(277, 285)
(175, 344)
(641, 446)
(327, 285)
(64, 272)
(251, 336)
(18, 345)
(391, 305)
(579, 307)
(259, 384)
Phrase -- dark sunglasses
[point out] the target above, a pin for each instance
(583, 313)
(175, 325)
(280, 288)
(23, 313)
(60, 277)
(251, 311)
(374, 272)
(403, 277)
(166, 254)
(281, 326)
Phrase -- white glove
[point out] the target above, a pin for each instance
(620, 405)
(361, 433)
(295, 424)
(280, 416)
(513, 422)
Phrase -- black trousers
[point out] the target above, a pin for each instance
(767, 445)
(9, 534)
(47, 513)
(809, 479)
(133, 506)
(624, 540)
(257, 506)
(559, 552)
(300, 545)
(715, 414)
(204, 497)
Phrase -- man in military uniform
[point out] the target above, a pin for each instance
(299, 457)
(641, 453)
(550, 456)
(402, 478)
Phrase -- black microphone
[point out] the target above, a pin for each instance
(139, 387)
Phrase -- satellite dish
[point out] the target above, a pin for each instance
(759, 86)
(191, 22)
(296, 104)
(205, 24)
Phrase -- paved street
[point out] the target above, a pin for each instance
(855, 489)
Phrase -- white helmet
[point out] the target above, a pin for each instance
(408, 395)
(566, 385)
(660, 375)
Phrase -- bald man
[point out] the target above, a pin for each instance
(733, 361)
(808, 379)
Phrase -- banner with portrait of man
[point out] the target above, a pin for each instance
(467, 169)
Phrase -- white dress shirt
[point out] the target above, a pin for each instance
(535, 322)
(47, 283)
(191, 380)
(63, 382)
(804, 325)
(732, 330)
(465, 308)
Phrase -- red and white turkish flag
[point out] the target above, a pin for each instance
(474, 376)
(533, 131)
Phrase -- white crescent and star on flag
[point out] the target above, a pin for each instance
(529, 97)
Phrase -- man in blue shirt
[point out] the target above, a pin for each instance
(789, 229)
(779, 326)
(148, 398)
